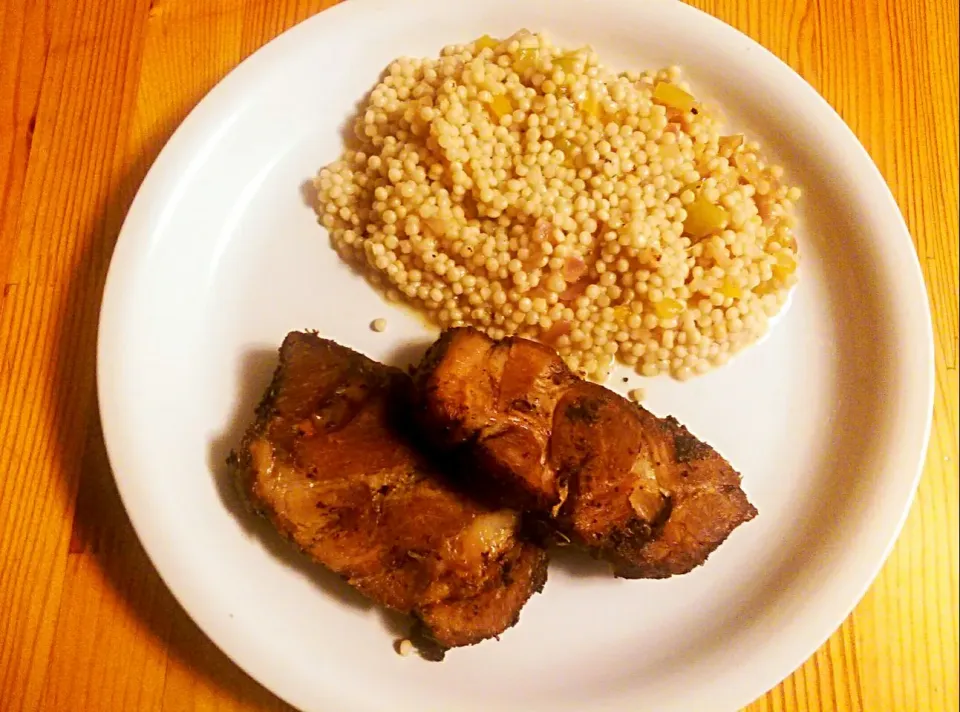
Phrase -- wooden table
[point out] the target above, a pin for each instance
(89, 92)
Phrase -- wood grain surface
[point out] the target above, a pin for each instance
(89, 92)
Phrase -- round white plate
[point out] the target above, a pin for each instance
(221, 256)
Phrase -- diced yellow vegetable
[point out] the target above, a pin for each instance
(785, 265)
(526, 59)
(501, 106)
(566, 62)
(747, 165)
(729, 144)
(704, 218)
(731, 289)
(673, 96)
(486, 42)
(590, 105)
(668, 308)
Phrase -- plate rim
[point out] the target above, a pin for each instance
(139, 224)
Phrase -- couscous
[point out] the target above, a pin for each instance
(528, 190)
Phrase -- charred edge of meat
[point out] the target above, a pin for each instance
(238, 474)
(686, 445)
(539, 579)
(264, 408)
(421, 392)
(750, 512)
(625, 569)
(433, 356)
(427, 646)
(640, 529)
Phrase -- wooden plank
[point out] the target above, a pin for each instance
(113, 602)
(24, 35)
(75, 96)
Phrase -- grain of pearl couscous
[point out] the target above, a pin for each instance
(526, 189)
(637, 395)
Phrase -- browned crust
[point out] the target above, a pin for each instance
(712, 505)
(364, 399)
(570, 454)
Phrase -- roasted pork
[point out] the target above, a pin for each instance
(330, 462)
(637, 490)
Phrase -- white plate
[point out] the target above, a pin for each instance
(220, 256)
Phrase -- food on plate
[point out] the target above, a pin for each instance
(527, 190)
(637, 490)
(330, 464)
